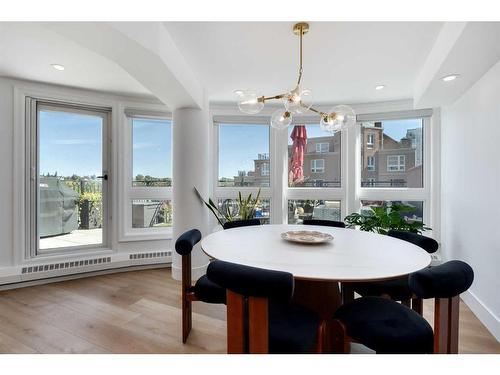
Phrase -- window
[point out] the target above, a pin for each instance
(322, 148)
(303, 149)
(370, 163)
(318, 165)
(231, 207)
(152, 152)
(306, 163)
(300, 209)
(399, 148)
(68, 196)
(243, 149)
(147, 212)
(264, 169)
(396, 163)
(414, 210)
(370, 140)
(151, 213)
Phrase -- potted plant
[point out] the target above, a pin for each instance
(382, 219)
(246, 208)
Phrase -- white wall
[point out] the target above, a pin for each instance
(9, 256)
(6, 167)
(471, 191)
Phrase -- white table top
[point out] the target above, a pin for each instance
(351, 256)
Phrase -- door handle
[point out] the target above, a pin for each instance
(104, 177)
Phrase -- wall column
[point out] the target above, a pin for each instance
(190, 154)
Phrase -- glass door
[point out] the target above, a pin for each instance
(71, 187)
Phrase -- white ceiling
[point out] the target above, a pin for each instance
(343, 61)
(175, 61)
(29, 49)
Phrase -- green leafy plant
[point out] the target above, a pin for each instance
(246, 208)
(382, 219)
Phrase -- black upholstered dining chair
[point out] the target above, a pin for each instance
(326, 223)
(397, 289)
(203, 290)
(386, 326)
(240, 223)
(260, 316)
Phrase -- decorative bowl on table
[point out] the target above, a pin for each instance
(306, 236)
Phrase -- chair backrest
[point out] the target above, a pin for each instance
(326, 223)
(248, 292)
(186, 241)
(444, 281)
(428, 244)
(240, 223)
(251, 281)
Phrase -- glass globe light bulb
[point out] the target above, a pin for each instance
(306, 101)
(281, 118)
(249, 102)
(339, 118)
(298, 100)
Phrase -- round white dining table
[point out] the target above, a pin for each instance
(352, 256)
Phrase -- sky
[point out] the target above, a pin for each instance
(239, 145)
(72, 144)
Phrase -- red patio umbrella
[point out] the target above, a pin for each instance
(299, 137)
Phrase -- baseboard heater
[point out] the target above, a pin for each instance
(65, 265)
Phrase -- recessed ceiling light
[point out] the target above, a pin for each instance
(380, 87)
(451, 77)
(58, 66)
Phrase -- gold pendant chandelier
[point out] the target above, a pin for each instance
(296, 101)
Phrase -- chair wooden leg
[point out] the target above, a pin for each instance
(258, 326)
(321, 340)
(446, 317)
(347, 292)
(446, 321)
(236, 338)
(454, 305)
(339, 338)
(186, 319)
(417, 305)
(187, 310)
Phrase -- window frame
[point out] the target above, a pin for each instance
(350, 191)
(267, 170)
(319, 151)
(429, 192)
(400, 167)
(370, 166)
(315, 168)
(231, 192)
(370, 140)
(33, 105)
(129, 193)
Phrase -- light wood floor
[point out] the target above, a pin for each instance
(136, 312)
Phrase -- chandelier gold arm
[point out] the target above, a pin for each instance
(266, 98)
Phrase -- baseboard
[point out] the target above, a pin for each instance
(483, 313)
(46, 269)
(56, 279)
